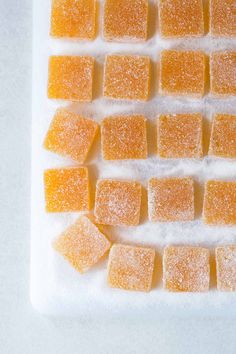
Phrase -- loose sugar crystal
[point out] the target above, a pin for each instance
(66, 189)
(182, 73)
(131, 268)
(73, 19)
(223, 73)
(71, 78)
(220, 203)
(226, 268)
(125, 20)
(171, 199)
(71, 135)
(223, 18)
(180, 18)
(180, 136)
(118, 202)
(223, 136)
(124, 137)
(82, 244)
(127, 77)
(186, 269)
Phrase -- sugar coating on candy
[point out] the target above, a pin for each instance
(180, 18)
(226, 268)
(66, 189)
(182, 73)
(127, 77)
(223, 18)
(223, 73)
(117, 203)
(220, 203)
(171, 199)
(71, 78)
(131, 268)
(73, 19)
(124, 137)
(223, 136)
(180, 136)
(82, 244)
(125, 20)
(186, 269)
(71, 135)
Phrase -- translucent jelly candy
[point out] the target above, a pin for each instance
(71, 78)
(124, 137)
(223, 18)
(220, 203)
(118, 202)
(66, 189)
(182, 73)
(223, 73)
(186, 269)
(131, 268)
(180, 136)
(226, 268)
(82, 244)
(125, 20)
(73, 19)
(127, 77)
(223, 136)
(71, 135)
(180, 18)
(171, 199)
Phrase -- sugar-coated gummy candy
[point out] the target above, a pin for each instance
(73, 19)
(131, 268)
(186, 269)
(124, 137)
(127, 77)
(226, 268)
(180, 136)
(71, 78)
(117, 202)
(171, 199)
(82, 244)
(67, 189)
(71, 135)
(223, 18)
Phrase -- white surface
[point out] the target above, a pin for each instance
(22, 330)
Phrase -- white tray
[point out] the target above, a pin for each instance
(56, 288)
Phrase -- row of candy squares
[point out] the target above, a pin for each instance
(119, 202)
(128, 77)
(125, 137)
(128, 20)
(185, 268)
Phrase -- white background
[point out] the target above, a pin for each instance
(22, 330)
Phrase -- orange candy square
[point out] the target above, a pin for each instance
(71, 135)
(180, 18)
(186, 269)
(73, 19)
(226, 268)
(223, 18)
(82, 244)
(131, 268)
(171, 199)
(182, 73)
(223, 136)
(223, 78)
(66, 189)
(220, 203)
(71, 78)
(118, 203)
(127, 77)
(180, 136)
(124, 137)
(125, 20)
